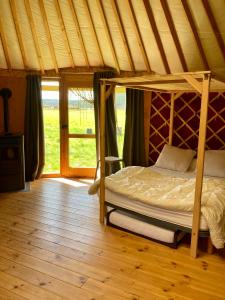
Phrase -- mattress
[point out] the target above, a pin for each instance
(180, 218)
(124, 221)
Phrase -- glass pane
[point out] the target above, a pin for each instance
(81, 111)
(50, 102)
(82, 152)
(120, 108)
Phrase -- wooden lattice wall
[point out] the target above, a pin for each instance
(186, 122)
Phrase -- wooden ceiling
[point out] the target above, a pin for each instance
(164, 36)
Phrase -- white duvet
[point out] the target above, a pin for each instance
(176, 193)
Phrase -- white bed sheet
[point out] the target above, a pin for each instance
(175, 217)
(181, 218)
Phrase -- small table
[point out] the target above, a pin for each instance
(110, 160)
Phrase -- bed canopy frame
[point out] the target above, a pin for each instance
(175, 84)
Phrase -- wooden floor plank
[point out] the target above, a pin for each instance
(24, 289)
(51, 240)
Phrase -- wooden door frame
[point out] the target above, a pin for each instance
(65, 170)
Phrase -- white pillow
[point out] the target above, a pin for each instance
(174, 158)
(214, 163)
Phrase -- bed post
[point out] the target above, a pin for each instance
(102, 151)
(171, 119)
(200, 164)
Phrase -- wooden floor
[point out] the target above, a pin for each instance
(52, 247)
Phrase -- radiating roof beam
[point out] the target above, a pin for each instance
(65, 37)
(214, 26)
(5, 47)
(123, 33)
(138, 36)
(109, 38)
(49, 37)
(157, 36)
(195, 33)
(79, 33)
(94, 32)
(34, 35)
(174, 34)
(18, 32)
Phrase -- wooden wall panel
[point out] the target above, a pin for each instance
(186, 122)
(16, 103)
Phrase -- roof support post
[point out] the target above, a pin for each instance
(200, 165)
(102, 151)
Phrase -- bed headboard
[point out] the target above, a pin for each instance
(186, 122)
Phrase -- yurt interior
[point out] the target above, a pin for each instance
(112, 149)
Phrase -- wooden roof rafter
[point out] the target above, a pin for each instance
(156, 35)
(214, 26)
(5, 47)
(95, 36)
(48, 32)
(123, 33)
(174, 34)
(109, 38)
(34, 35)
(195, 33)
(79, 33)
(138, 36)
(63, 28)
(18, 32)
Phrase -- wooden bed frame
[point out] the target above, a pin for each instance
(175, 84)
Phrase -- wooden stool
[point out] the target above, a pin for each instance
(110, 160)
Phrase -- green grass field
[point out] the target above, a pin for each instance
(81, 151)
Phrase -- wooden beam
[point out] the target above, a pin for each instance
(18, 32)
(102, 152)
(171, 119)
(177, 95)
(52, 73)
(5, 47)
(110, 90)
(195, 33)
(79, 33)
(95, 37)
(49, 37)
(156, 35)
(193, 82)
(109, 38)
(123, 33)
(65, 37)
(174, 34)
(214, 26)
(34, 35)
(138, 36)
(200, 165)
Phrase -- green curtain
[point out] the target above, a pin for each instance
(134, 144)
(33, 129)
(111, 148)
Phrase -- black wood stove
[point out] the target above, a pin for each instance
(11, 152)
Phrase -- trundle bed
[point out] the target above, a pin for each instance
(167, 226)
(135, 214)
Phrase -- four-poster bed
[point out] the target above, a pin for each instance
(176, 84)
